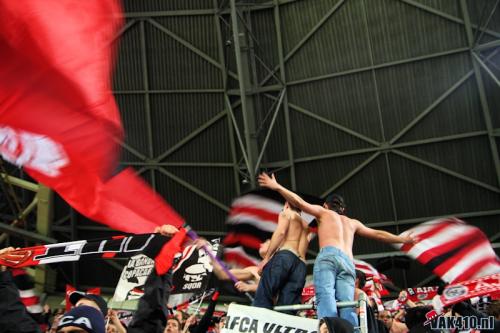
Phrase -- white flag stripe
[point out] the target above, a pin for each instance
(259, 202)
(479, 252)
(37, 308)
(488, 269)
(268, 226)
(448, 234)
(239, 250)
(27, 293)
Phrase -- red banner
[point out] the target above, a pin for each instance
(421, 293)
(58, 118)
(458, 292)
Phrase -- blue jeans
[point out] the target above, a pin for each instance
(334, 276)
(283, 276)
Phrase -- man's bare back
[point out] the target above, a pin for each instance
(336, 230)
(296, 236)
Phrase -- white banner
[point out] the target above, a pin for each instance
(133, 277)
(241, 318)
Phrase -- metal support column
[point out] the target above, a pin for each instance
(279, 39)
(222, 60)
(244, 77)
(482, 92)
(44, 196)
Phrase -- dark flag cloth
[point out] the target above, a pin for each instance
(252, 219)
(160, 248)
(58, 118)
(192, 272)
(453, 250)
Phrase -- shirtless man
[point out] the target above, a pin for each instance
(392, 324)
(334, 272)
(283, 268)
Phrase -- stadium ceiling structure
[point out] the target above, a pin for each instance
(392, 103)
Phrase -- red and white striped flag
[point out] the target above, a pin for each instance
(252, 220)
(375, 279)
(369, 270)
(452, 249)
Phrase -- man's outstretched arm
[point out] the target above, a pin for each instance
(382, 235)
(293, 198)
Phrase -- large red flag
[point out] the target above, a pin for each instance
(58, 118)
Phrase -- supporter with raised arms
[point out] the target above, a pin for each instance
(283, 270)
(334, 272)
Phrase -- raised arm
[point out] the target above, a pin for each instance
(381, 235)
(292, 198)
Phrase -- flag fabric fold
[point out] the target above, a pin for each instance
(452, 249)
(58, 118)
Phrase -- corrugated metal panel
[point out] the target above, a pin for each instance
(399, 31)
(368, 193)
(175, 116)
(128, 69)
(470, 157)
(132, 109)
(165, 5)
(299, 17)
(492, 94)
(265, 42)
(277, 146)
(451, 7)
(197, 30)
(459, 113)
(199, 213)
(407, 90)
(212, 145)
(311, 137)
(421, 191)
(339, 45)
(216, 182)
(347, 100)
(479, 12)
(173, 66)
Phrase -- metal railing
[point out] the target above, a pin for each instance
(360, 303)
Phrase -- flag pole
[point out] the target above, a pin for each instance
(192, 234)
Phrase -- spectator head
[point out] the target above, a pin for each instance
(360, 279)
(78, 298)
(336, 203)
(173, 326)
(335, 325)
(222, 322)
(181, 316)
(386, 317)
(87, 319)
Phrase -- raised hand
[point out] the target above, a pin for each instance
(166, 230)
(268, 182)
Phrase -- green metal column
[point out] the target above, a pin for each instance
(44, 195)
(242, 55)
(482, 93)
(279, 39)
